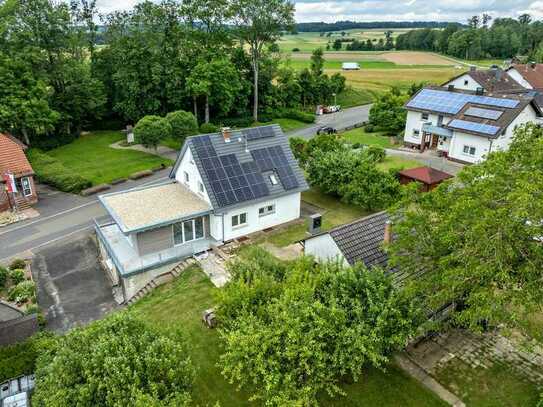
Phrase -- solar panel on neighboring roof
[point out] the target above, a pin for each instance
(484, 113)
(475, 127)
(273, 158)
(452, 102)
(258, 133)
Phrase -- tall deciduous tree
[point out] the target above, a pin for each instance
(479, 240)
(292, 331)
(260, 22)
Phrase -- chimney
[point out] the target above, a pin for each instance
(533, 65)
(451, 88)
(472, 68)
(226, 134)
(499, 74)
(388, 232)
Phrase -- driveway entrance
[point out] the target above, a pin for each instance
(72, 288)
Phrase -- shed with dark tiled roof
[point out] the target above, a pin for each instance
(429, 177)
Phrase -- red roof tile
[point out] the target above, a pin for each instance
(12, 157)
(426, 175)
(534, 76)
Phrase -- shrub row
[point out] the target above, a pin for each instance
(50, 171)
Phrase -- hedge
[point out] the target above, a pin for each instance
(296, 115)
(50, 171)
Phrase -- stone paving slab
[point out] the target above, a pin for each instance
(214, 268)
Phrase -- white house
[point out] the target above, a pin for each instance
(530, 76)
(222, 187)
(494, 80)
(466, 125)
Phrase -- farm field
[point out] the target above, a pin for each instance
(308, 41)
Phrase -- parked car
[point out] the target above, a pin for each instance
(331, 109)
(326, 130)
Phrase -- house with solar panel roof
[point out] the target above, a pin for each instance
(222, 187)
(470, 116)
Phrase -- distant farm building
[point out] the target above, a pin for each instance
(350, 66)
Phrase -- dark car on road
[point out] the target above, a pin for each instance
(326, 130)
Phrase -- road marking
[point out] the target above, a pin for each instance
(31, 249)
(93, 202)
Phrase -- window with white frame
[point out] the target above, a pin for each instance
(200, 187)
(469, 150)
(266, 210)
(188, 231)
(239, 220)
(26, 186)
(186, 177)
(425, 116)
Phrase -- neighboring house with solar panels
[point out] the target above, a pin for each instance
(223, 186)
(464, 125)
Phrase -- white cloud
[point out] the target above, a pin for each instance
(389, 10)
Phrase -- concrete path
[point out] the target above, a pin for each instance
(428, 381)
(7, 312)
(161, 151)
(429, 159)
(214, 268)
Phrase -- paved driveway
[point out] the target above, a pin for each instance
(72, 288)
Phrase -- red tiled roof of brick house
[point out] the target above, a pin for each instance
(13, 158)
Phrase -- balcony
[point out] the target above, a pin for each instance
(125, 257)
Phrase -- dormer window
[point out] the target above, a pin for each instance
(273, 179)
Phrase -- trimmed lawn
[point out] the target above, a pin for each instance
(91, 157)
(497, 386)
(181, 303)
(334, 213)
(369, 139)
(398, 163)
(351, 97)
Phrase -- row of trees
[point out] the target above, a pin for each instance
(383, 44)
(213, 57)
(505, 38)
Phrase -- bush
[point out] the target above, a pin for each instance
(23, 292)
(17, 276)
(50, 171)
(3, 276)
(20, 359)
(118, 361)
(376, 154)
(151, 130)
(183, 124)
(297, 115)
(356, 146)
(295, 49)
(370, 128)
(17, 264)
(298, 146)
(207, 128)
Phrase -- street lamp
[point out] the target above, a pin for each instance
(335, 99)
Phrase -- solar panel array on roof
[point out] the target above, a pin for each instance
(230, 181)
(273, 158)
(475, 127)
(258, 133)
(484, 113)
(452, 103)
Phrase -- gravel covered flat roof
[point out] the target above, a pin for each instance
(153, 206)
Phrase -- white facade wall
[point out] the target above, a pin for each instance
(187, 165)
(465, 82)
(519, 78)
(287, 209)
(324, 249)
(459, 140)
(415, 122)
(503, 142)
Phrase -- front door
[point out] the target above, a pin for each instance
(435, 142)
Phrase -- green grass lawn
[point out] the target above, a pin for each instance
(351, 97)
(369, 139)
(496, 386)
(334, 213)
(91, 157)
(181, 304)
(398, 163)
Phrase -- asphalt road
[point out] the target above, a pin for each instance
(68, 216)
(339, 121)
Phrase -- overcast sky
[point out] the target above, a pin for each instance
(391, 10)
